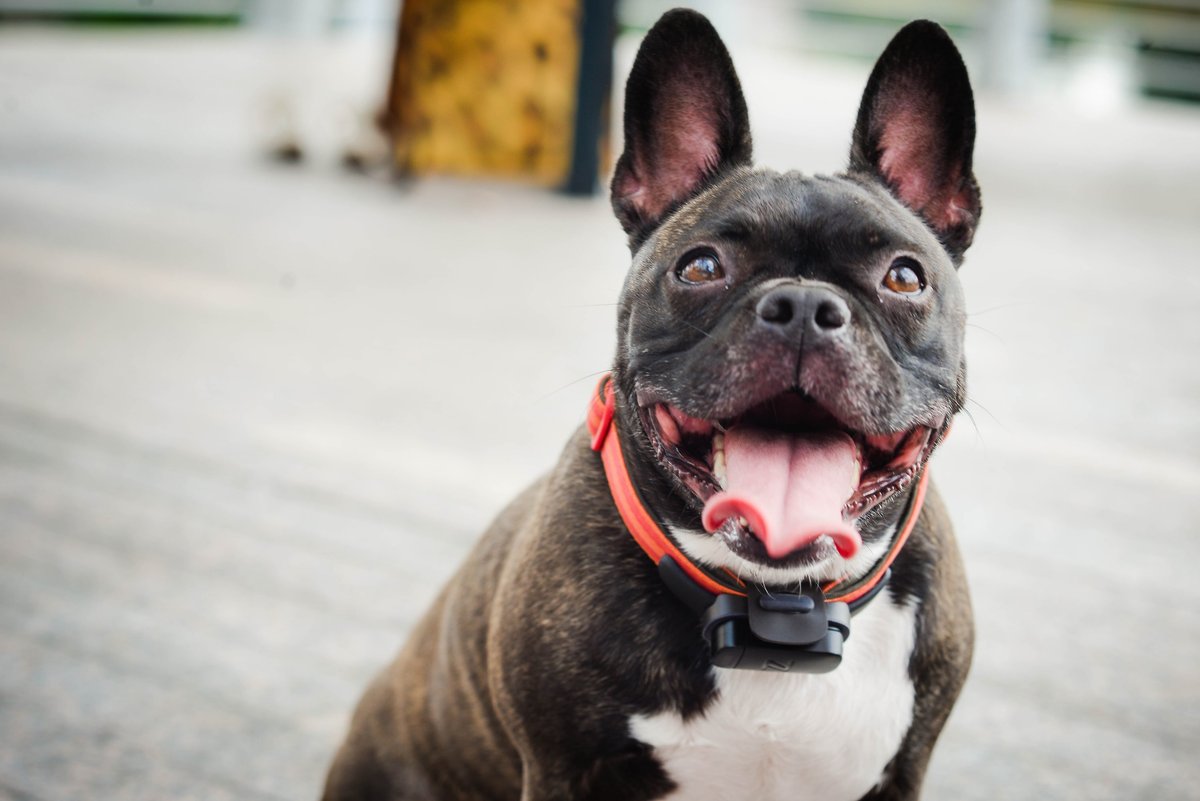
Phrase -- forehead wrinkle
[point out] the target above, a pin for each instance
(821, 205)
(759, 211)
(786, 213)
(853, 219)
(793, 211)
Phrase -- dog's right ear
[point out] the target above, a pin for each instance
(685, 122)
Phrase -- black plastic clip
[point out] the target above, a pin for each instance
(785, 632)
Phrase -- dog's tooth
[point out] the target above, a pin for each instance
(718, 445)
(743, 522)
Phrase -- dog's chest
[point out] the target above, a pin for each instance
(774, 736)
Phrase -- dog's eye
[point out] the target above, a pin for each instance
(700, 269)
(904, 277)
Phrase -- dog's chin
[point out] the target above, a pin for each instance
(819, 562)
(690, 450)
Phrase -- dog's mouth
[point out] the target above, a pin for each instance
(787, 471)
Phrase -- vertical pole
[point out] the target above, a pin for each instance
(597, 21)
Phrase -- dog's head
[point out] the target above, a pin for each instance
(790, 346)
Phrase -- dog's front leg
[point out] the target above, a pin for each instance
(630, 775)
(541, 785)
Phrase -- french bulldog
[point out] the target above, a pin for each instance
(789, 354)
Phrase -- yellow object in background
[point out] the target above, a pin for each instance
(487, 88)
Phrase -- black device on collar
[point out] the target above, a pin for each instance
(776, 631)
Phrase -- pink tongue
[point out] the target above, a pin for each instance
(790, 488)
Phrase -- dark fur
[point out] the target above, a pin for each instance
(520, 681)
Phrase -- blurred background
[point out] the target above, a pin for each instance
(279, 335)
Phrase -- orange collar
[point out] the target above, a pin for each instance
(657, 544)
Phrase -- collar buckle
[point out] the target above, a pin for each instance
(780, 632)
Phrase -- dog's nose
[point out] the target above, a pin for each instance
(796, 309)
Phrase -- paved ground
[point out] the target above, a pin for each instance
(251, 417)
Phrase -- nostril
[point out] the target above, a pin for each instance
(777, 308)
(799, 307)
(832, 313)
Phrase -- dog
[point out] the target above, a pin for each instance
(789, 354)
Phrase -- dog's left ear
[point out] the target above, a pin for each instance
(916, 132)
(685, 122)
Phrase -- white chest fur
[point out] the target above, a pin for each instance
(793, 737)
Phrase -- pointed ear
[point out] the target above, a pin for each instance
(916, 132)
(685, 121)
